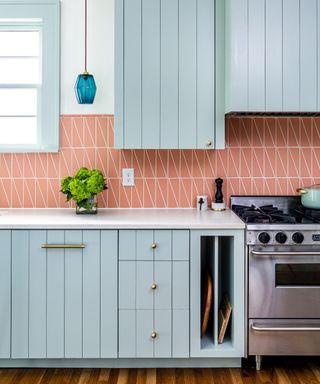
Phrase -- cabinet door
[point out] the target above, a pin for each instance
(64, 301)
(273, 57)
(165, 74)
(5, 294)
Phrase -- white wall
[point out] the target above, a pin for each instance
(100, 54)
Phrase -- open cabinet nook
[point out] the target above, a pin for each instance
(217, 293)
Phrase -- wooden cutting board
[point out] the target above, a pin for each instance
(207, 300)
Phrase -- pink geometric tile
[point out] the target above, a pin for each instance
(306, 162)
(137, 163)
(89, 131)
(77, 131)
(258, 132)
(6, 165)
(306, 127)
(101, 134)
(234, 155)
(161, 193)
(210, 161)
(149, 169)
(282, 132)
(41, 165)
(198, 163)
(18, 190)
(174, 163)
(271, 131)
(5, 193)
(186, 163)
(17, 165)
(173, 193)
(185, 196)
(270, 162)
(245, 132)
(162, 161)
(149, 193)
(66, 132)
(294, 132)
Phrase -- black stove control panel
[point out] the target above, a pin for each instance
(316, 237)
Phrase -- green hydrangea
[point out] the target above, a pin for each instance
(85, 184)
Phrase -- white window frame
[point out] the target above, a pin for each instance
(43, 15)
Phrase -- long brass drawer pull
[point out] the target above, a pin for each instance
(63, 246)
(285, 329)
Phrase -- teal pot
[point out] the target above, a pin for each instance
(310, 197)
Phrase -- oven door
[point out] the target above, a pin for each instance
(284, 283)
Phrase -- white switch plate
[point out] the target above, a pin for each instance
(128, 177)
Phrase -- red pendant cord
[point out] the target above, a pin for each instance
(85, 35)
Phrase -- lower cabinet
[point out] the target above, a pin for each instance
(63, 294)
(154, 295)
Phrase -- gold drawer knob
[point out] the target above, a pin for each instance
(209, 143)
(154, 286)
(153, 245)
(153, 335)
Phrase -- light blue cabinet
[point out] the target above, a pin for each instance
(64, 300)
(153, 293)
(221, 254)
(273, 55)
(5, 294)
(169, 74)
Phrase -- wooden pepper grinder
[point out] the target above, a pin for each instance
(218, 204)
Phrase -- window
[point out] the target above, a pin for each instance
(29, 76)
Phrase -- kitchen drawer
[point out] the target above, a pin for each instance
(159, 245)
(153, 333)
(153, 285)
(291, 337)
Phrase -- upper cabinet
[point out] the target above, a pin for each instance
(273, 55)
(169, 74)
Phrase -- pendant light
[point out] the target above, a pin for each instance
(85, 87)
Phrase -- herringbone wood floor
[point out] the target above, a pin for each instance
(275, 370)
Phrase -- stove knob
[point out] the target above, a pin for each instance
(297, 237)
(281, 237)
(264, 237)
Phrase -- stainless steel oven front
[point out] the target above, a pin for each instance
(284, 301)
(284, 282)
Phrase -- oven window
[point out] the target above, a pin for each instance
(297, 274)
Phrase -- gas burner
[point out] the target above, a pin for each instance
(267, 214)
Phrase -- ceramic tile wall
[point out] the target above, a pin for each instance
(263, 156)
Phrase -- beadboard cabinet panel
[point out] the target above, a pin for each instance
(273, 56)
(20, 295)
(166, 93)
(64, 299)
(274, 92)
(5, 296)
(37, 296)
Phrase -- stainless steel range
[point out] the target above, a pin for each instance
(283, 243)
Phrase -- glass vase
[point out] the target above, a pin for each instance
(88, 206)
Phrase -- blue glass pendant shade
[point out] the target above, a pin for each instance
(85, 88)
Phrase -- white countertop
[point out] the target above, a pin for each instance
(118, 219)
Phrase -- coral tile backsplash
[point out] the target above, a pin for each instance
(263, 155)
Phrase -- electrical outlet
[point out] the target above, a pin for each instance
(128, 177)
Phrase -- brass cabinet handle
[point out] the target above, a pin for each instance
(153, 335)
(153, 245)
(63, 246)
(209, 143)
(154, 286)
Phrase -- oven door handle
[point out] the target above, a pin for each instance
(292, 253)
(306, 328)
